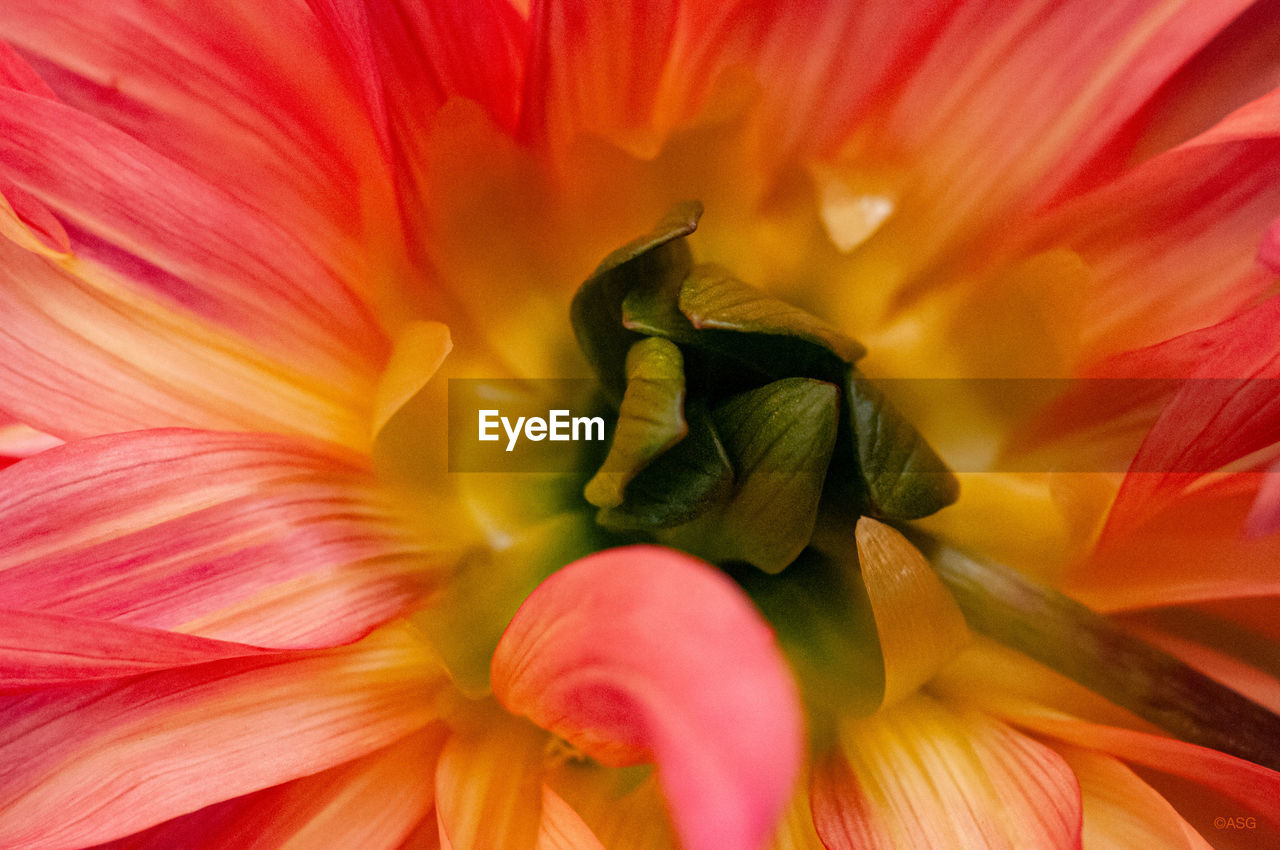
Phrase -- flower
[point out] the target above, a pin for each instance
(248, 246)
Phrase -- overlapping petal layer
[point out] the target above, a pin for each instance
(639, 654)
(241, 537)
(93, 761)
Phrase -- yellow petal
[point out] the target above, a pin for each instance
(919, 624)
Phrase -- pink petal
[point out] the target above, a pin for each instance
(18, 441)
(92, 762)
(248, 97)
(29, 224)
(166, 228)
(45, 649)
(643, 653)
(1269, 250)
(345, 806)
(923, 775)
(124, 363)
(248, 538)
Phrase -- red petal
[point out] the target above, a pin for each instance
(92, 762)
(1228, 410)
(644, 653)
(241, 537)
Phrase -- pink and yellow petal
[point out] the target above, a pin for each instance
(80, 357)
(345, 806)
(921, 774)
(240, 537)
(272, 122)
(638, 654)
(39, 650)
(99, 760)
(184, 240)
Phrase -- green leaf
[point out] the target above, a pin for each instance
(596, 310)
(779, 438)
(650, 420)
(687, 480)
(712, 299)
(904, 478)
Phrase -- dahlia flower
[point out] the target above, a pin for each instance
(937, 347)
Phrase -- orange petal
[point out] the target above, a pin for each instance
(1120, 810)
(561, 828)
(419, 350)
(95, 761)
(644, 653)
(920, 774)
(1264, 516)
(1190, 549)
(919, 625)
(345, 806)
(1253, 786)
(488, 786)
(241, 537)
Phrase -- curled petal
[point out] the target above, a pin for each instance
(919, 625)
(643, 653)
(241, 537)
(922, 775)
(419, 350)
(92, 762)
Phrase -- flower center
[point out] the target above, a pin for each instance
(740, 418)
